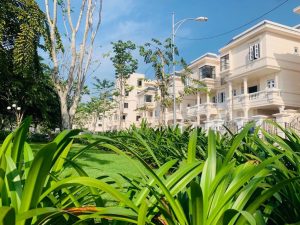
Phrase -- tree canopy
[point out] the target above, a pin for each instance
(24, 80)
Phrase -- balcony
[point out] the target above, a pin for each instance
(146, 105)
(202, 109)
(265, 97)
(257, 99)
(170, 115)
(259, 67)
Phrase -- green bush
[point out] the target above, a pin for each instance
(210, 179)
(39, 138)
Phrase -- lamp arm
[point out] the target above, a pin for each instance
(179, 23)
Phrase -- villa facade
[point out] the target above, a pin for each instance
(254, 77)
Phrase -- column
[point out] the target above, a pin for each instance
(207, 122)
(276, 80)
(198, 109)
(245, 81)
(259, 122)
(246, 98)
(246, 113)
(230, 100)
(281, 119)
(207, 97)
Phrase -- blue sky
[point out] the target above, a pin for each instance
(141, 20)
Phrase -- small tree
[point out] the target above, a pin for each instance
(98, 106)
(159, 55)
(124, 65)
(105, 103)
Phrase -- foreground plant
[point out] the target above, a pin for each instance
(229, 186)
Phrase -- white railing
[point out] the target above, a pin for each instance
(265, 94)
(202, 108)
(146, 104)
(259, 98)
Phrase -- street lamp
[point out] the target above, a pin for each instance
(297, 10)
(17, 111)
(175, 27)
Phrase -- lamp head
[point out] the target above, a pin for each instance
(201, 19)
(297, 10)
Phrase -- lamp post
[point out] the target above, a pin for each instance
(17, 111)
(297, 10)
(175, 27)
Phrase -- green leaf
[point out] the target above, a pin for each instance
(192, 146)
(19, 141)
(90, 182)
(14, 183)
(7, 216)
(142, 216)
(35, 181)
(196, 207)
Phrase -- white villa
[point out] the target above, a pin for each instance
(254, 77)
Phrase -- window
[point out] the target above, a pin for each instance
(296, 51)
(254, 52)
(99, 125)
(214, 99)
(138, 118)
(271, 83)
(124, 117)
(148, 98)
(234, 92)
(207, 72)
(151, 113)
(187, 82)
(139, 83)
(225, 62)
(188, 105)
(126, 93)
(126, 105)
(221, 97)
(252, 89)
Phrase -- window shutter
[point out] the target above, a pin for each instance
(256, 51)
(251, 52)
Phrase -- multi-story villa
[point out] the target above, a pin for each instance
(255, 76)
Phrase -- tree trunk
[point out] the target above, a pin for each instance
(65, 117)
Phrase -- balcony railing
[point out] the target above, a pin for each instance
(147, 105)
(265, 97)
(201, 109)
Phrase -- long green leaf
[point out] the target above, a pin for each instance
(90, 182)
(192, 146)
(7, 216)
(35, 181)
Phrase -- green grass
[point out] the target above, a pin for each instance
(96, 162)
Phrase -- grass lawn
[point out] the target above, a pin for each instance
(97, 163)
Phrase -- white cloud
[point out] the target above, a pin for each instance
(114, 9)
(128, 30)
